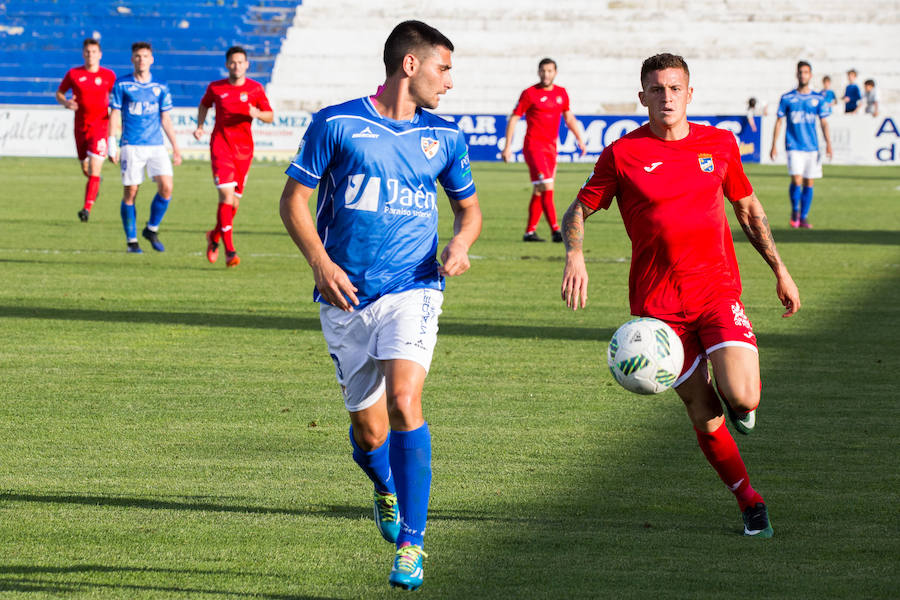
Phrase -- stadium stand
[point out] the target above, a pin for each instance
(735, 50)
(41, 39)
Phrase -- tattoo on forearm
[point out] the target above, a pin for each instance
(573, 226)
(759, 233)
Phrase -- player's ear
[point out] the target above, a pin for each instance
(641, 98)
(690, 94)
(409, 64)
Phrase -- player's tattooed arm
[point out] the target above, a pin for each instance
(575, 276)
(753, 220)
(573, 225)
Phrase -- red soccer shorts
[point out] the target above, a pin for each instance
(90, 139)
(541, 164)
(718, 324)
(230, 171)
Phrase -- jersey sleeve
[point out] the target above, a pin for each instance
(736, 186)
(208, 97)
(782, 107)
(824, 108)
(115, 97)
(565, 104)
(456, 178)
(314, 154)
(523, 105)
(165, 99)
(66, 84)
(262, 102)
(603, 184)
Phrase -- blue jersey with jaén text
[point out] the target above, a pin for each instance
(142, 105)
(377, 211)
(802, 111)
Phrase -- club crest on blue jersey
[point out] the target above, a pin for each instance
(429, 147)
(706, 163)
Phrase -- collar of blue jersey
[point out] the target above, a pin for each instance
(370, 106)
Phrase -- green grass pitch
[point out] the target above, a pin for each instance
(172, 429)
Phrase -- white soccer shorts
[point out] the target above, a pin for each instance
(134, 159)
(806, 164)
(396, 326)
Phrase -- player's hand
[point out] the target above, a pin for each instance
(575, 281)
(773, 153)
(72, 104)
(788, 294)
(112, 149)
(335, 287)
(506, 154)
(582, 147)
(828, 151)
(454, 260)
(176, 156)
(198, 133)
(253, 112)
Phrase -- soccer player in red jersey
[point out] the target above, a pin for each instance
(670, 177)
(238, 101)
(542, 105)
(90, 86)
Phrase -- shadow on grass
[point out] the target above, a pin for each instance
(876, 237)
(29, 580)
(255, 321)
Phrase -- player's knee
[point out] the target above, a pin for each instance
(404, 406)
(744, 396)
(370, 436)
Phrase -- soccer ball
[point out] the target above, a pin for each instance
(645, 356)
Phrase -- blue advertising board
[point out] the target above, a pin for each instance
(486, 134)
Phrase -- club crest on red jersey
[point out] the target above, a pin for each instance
(706, 163)
(243, 96)
(429, 147)
(98, 80)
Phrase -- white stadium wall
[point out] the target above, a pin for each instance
(735, 49)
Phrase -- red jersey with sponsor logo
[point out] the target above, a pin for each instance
(90, 91)
(232, 130)
(670, 195)
(542, 109)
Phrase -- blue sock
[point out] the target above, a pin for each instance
(129, 221)
(157, 211)
(795, 192)
(411, 464)
(806, 202)
(376, 464)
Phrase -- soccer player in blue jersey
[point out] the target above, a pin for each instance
(803, 109)
(140, 110)
(373, 253)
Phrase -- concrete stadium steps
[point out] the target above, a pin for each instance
(333, 51)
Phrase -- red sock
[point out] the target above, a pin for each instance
(91, 190)
(216, 233)
(722, 453)
(549, 209)
(224, 224)
(534, 213)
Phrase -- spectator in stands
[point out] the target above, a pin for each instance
(238, 100)
(827, 92)
(90, 85)
(852, 95)
(140, 112)
(542, 105)
(755, 110)
(871, 96)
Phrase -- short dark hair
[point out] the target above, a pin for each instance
(235, 50)
(141, 46)
(826, 78)
(869, 82)
(90, 42)
(803, 63)
(547, 61)
(658, 62)
(411, 37)
(851, 71)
